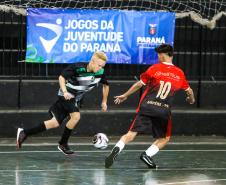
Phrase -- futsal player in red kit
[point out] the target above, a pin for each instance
(162, 80)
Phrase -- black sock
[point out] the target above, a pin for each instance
(65, 136)
(37, 129)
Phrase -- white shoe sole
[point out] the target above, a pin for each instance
(17, 137)
(63, 151)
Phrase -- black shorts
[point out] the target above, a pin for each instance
(161, 127)
(62, 108)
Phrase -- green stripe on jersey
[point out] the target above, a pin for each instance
(100, 72)
(81, 70)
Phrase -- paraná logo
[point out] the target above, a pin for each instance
(152, 29)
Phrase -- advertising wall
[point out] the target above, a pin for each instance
(70, 35)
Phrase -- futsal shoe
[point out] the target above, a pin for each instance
(147, 160)
(65, 149)
(110, 159)
(21, 136)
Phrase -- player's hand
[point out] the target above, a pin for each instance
(68, 96)
(120, 99)
(190, 100)
(104, 107)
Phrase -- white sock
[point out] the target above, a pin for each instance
(120, 144)
(152, 150)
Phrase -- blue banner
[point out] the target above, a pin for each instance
(69, 36)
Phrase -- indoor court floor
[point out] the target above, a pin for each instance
(186, 160)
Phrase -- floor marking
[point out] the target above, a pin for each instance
(91, 111)
(101, 151)
(198, 181)
(133, 143)
(118, 169)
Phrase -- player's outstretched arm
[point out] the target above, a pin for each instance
(190, 96)
(132, 89)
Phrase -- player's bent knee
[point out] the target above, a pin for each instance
(75, 117)
(130, 136)
(51, 124)
(166, 139)
(74, 120)
(55, 125)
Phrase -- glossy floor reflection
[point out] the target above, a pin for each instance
(180, 163)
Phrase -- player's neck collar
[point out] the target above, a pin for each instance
(168, 63)
(88, 67)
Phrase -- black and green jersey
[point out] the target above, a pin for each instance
(79, 81)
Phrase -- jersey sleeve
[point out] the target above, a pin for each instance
(146, 76)
(185, 84)
(68, 71)
(104, 80)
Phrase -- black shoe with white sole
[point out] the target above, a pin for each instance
(20, 138)
(65, 149)
(148, 160)
(110, 159)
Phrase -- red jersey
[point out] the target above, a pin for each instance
(162, 80)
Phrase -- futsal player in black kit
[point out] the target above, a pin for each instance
(74, 81)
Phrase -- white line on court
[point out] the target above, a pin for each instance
(189, 182)
(90, 111)
(116, 169)
(133, 143)
(102, 151)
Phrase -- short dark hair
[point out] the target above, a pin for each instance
(165, 48)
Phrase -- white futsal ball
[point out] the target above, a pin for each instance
(100, 141)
